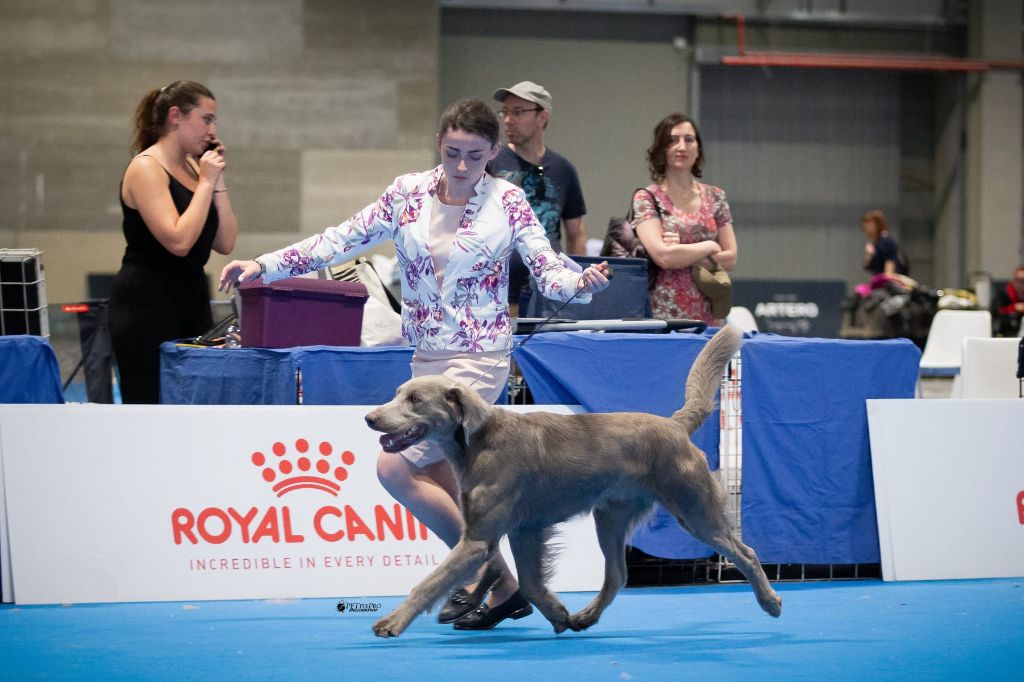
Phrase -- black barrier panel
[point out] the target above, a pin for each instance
(793, 307)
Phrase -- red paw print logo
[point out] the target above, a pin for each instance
(320, 470)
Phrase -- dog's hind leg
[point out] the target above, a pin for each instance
(612, 522)
(700, 511)
(458, 567)
(529, 547)
(746, 560)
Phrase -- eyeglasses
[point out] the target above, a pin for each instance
(516, 113)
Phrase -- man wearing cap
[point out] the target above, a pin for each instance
(549, 180)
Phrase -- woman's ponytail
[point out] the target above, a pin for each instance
(147, 131)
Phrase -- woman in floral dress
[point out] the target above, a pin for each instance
(454, 229)
(681, 221)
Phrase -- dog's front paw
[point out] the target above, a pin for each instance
(582, 620)
(388, 626)
(560, 621)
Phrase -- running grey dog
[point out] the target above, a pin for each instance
(521, 474)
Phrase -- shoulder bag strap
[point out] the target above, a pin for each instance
(630, 216)
(657, 207)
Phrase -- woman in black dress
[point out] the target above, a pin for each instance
(175, 209)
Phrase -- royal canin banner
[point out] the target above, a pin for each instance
(110, 503)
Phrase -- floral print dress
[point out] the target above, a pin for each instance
(675, 295)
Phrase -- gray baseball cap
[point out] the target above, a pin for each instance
(527, 90)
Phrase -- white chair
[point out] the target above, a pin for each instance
(988, 369)
(742, 318)
(944, 347)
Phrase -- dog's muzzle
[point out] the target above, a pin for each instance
(397, 441)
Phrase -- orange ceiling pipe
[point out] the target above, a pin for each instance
(808, 60)
(851, 61)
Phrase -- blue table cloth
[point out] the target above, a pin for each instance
(331, 375)
(29, 372)
(808, 495)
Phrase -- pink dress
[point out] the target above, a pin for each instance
(674, 294)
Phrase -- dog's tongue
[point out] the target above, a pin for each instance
(387, 441)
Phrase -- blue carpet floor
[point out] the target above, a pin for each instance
(865, 630)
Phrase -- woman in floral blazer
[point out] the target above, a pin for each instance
(454, 229)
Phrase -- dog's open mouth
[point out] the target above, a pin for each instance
(396, 442)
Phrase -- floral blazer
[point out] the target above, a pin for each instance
(470, 313)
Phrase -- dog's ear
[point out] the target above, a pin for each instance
(468, 407)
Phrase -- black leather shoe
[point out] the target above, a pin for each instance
(485, 617)
(462, 602)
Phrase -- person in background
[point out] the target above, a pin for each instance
(681, 221)
(454, 229)
(175, 208)
(549, 180)
(882, 256)
(1008, 305)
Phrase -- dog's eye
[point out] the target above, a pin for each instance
(414, 398)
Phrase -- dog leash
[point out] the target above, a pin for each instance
(523, 342)
(529, 336)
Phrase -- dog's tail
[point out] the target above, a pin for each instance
(706, 376)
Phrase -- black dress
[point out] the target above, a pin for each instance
(157, 297)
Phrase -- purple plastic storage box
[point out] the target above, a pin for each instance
(302, 312)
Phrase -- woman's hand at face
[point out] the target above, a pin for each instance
(211, 165)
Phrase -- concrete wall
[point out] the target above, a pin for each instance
(995, 188)
(320, 104)
(801, 155)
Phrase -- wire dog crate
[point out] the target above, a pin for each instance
(23, 293)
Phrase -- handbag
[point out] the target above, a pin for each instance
(716, 285)
(628, 244)
(619, 240)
